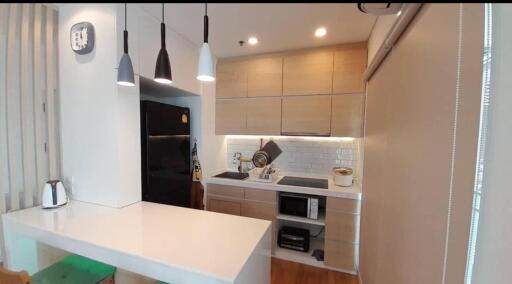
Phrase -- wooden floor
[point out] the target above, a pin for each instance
(286, 272)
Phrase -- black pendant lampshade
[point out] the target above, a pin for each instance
(163, 65)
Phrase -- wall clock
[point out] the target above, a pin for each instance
(82, 37)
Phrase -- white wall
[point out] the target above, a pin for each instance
(98, 127)
(212, 150)
(183, 54)
(101, 120)
(494, 242)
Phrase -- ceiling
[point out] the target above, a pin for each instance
(277, 26)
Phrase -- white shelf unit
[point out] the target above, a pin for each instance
(320, 221)
(302, 257)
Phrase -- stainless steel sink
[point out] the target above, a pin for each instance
(233, 175)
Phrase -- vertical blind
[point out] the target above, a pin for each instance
(29, 138)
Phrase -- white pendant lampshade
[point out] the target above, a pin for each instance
(205, 70)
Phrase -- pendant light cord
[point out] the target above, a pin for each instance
(125, 16)
(206, 31)
(125, 32)
(162, 28)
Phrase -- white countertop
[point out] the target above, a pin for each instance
(207, 243)
(351, 192)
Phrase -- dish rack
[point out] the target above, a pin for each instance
(254, 175)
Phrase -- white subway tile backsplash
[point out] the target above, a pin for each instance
(303, 155)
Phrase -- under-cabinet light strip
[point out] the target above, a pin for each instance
(297, 138)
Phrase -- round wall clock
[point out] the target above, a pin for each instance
(82, 37)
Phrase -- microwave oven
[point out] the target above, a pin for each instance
(299, 205)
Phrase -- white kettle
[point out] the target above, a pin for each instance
(54, 194)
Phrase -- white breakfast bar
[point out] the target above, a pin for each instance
(172, 244)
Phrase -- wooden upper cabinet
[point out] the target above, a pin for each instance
(347, 113)
(263, 116)
(231, 79)
(308, 73)
(230, 116)
(349, 65)
(306, 115)
(265, 77)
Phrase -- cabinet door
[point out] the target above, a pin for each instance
(224, 206)
(347, 112)
(308, 73)
(349, 66)
(306, 115)
(340, 255)
(260, 195)
(231, 79)
(230, 116)
(341, 226)
(263, 115)
(344, 205)
(259, 210)
(225, 190)
(265, 77)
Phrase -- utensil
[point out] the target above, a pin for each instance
(266, 155)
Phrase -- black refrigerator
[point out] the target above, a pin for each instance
(165, 148)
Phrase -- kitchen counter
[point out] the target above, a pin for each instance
(351, 192)
(168, 243)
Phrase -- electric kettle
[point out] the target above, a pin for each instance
(54, 194)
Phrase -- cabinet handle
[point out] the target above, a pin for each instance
(306, 134)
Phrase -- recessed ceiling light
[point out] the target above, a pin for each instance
(320, 32)
(252, 40)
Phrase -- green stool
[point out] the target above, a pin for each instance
(74, 269)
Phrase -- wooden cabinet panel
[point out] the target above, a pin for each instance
(230, 116)
(347, 112)
(259, 210)
(341, 255)
(343, 205)
(260, 195)
(231, 81)
(349, 65)
(341, 226)
(224, 206)
(265, 77)
(306, 115)
(263, 116)
(308, 73)
(225, 190)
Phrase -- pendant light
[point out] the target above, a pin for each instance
(125, 75)
(163, 65)
(205, 65)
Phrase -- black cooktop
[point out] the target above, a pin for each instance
(233, 175)
(305, 182)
